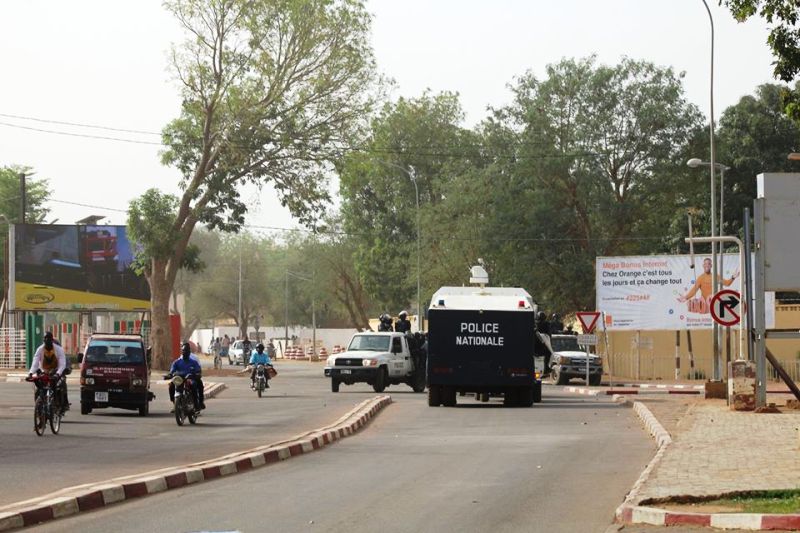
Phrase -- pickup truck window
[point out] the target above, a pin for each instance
(397, 346)
(369, 343)
(100, 351)
(565, 344)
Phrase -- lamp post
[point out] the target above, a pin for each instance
(712, 169)
(412, 175)
(313, 310)
(715, 330)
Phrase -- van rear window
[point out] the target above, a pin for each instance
(126, 352)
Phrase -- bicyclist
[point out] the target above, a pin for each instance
(50, 358)
(259, 357)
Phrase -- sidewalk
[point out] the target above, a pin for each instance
(716, 450)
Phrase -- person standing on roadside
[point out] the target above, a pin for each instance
(225, 346)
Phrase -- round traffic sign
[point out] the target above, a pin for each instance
(726, 307)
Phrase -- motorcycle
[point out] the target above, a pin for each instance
(263, 374)
(185, 398)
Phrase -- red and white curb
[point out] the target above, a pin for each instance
(654, 386)
(627, 392)
(93, 496)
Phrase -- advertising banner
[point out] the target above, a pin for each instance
(60, 267)
(663, 292)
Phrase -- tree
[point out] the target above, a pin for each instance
(271, 92)
(378, 198)
(596, 158)
(783, 39)
(37, 192)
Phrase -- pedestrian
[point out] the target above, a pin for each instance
(225, 346)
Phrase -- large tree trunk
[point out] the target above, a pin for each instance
(160, 333)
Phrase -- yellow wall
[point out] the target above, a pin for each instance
(622, 357)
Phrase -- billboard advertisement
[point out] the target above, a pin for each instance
(663, 292)
(60, 267)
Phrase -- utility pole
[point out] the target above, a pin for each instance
(22, 196)
(240, 290)
(286, 314)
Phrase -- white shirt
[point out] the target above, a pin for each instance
(37, 359)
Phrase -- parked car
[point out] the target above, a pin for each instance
(236, 353)
(115, 372)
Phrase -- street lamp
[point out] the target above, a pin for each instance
(412, 175)
(712, 169)
(313, 312)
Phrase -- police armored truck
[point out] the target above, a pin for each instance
(482, 340)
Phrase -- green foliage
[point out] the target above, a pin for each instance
(151, 225)
(783, 39)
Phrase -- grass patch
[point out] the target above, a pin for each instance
(767, 502)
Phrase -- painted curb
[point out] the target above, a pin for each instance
(630, 513)
(82, 498)
(631, 391)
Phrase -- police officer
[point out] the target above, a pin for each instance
(403, 324)
(385, 322)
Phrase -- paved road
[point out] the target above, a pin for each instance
(563, 465)
(114, 442)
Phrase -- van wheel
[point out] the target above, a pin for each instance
(559, 378)
(86, 408)
(380, 380)
(144, 409)
(434, 396)
(537, 393)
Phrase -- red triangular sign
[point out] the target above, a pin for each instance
(588, 320)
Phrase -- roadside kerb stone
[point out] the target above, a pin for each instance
(96, 495)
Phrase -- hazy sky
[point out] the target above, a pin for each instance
(103, 62)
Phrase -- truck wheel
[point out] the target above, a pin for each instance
(483, 397)
(594, 381)
(537, 393)
(334, 385)
(510, 397)
(449, 397)
(380, 380)
(86, 408)
(144, 409)
(526, 397)
(434, 396)
(559, 378)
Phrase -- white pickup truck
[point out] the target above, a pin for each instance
(379, 359)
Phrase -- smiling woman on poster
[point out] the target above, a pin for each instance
(700, 304)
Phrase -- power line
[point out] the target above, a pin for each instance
(79, 124)
(83, 135)
(89, 206)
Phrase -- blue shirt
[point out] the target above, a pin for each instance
(182, 367)
(260, 359)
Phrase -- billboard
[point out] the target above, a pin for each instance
(663, 292)
(60, 267)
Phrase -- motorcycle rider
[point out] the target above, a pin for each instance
(385, 322)
(403, 324)
(188, 363)
(259, 357)
(50, 358)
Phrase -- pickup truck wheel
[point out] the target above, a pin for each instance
(537, 393)
(594, 381)
(334, 385)
(86, 408)
(526, 397)
(434, 396)
(483, 397)
(559, 378)
(380, 380)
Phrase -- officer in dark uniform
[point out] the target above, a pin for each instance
(403, 324)
(385, 322)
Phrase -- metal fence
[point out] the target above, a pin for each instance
(650, 365)
(12, 348)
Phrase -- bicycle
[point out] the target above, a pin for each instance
(47, 407)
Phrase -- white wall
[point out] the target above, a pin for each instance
(325, 337)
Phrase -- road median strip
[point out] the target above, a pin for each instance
(92, 496)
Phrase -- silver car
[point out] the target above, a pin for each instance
(236, 354)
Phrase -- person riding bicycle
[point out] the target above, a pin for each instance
(259, 357)
(50, 358)
(188, 363)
